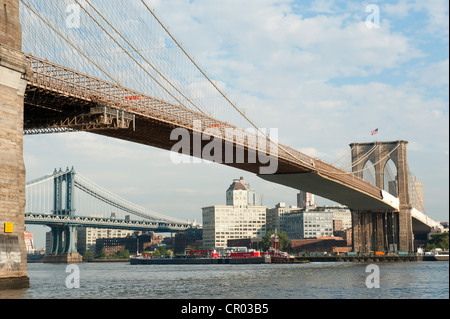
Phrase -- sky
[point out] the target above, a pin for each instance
(324, 73)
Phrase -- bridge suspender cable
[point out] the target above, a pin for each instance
(137, 51)
(373, 165)
(221, 93)
(365, 168)
(69, 42)
(362, 158)
(103, 194)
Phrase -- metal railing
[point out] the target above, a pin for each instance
(56, 78)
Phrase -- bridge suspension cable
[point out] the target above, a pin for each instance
(362, 158)
(106, 196)
(381, 160)
(418, 200)
(90, 200)
(89, 42)
(282, 147)
(68, 41)
(137, 51)
(93, 50)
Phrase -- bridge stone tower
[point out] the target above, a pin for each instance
(383, 230)
(13, 70)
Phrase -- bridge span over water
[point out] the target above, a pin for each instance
(95, 79)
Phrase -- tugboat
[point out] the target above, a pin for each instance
(277, 256)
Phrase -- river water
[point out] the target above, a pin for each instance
(403, 280)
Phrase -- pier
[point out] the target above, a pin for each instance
(365, 258)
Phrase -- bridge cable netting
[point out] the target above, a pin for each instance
(135, 49)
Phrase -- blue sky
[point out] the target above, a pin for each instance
(312, 69)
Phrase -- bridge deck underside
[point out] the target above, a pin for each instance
(47, 110)
(334, 190)
(52, 108)
(419, 227)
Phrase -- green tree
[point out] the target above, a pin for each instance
(124, 254)
(438, 241)
(283, 240)
(89, 255)
(102, 254)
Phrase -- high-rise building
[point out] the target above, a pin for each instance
(240, 218)
(311, 222)
(276, 216)
(241, 195)
(305, 223)
(305, 199)
(341, 213)
(29, 242)
(416, 193)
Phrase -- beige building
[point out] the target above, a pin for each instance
(239, 219)
(309, 222)
(341, 213)
(276, 216)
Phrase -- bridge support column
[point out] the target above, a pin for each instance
(406, 235)
(59, 240)
(401, 221)
(375, 231)
(13, 68)
(70, 240)
(63, 246)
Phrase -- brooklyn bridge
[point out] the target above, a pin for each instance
(67, 82)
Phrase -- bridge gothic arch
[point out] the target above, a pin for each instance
(390, 178)
(368, 172)
(380, 154)
(373, 230)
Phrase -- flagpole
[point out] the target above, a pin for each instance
(376, 132)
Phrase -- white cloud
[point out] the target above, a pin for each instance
(279, 65)
(437, 23)
(433, 75)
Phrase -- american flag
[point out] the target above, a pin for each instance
(375, 132)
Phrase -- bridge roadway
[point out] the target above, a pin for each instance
(108, 223)
(61, 99)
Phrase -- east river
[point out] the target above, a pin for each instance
(397, 280)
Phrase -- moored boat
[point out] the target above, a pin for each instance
(205, 257)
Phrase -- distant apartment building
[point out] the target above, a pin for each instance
(308, 222)
(314, 223)
(29, 242)
(275, 218)
(87, 237)
(341, 213)
(188, 238)
(243, 216)
(134, 244)
(305, 199)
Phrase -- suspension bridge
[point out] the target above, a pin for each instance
(66, 201)
(66, 197)
(122, 74)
